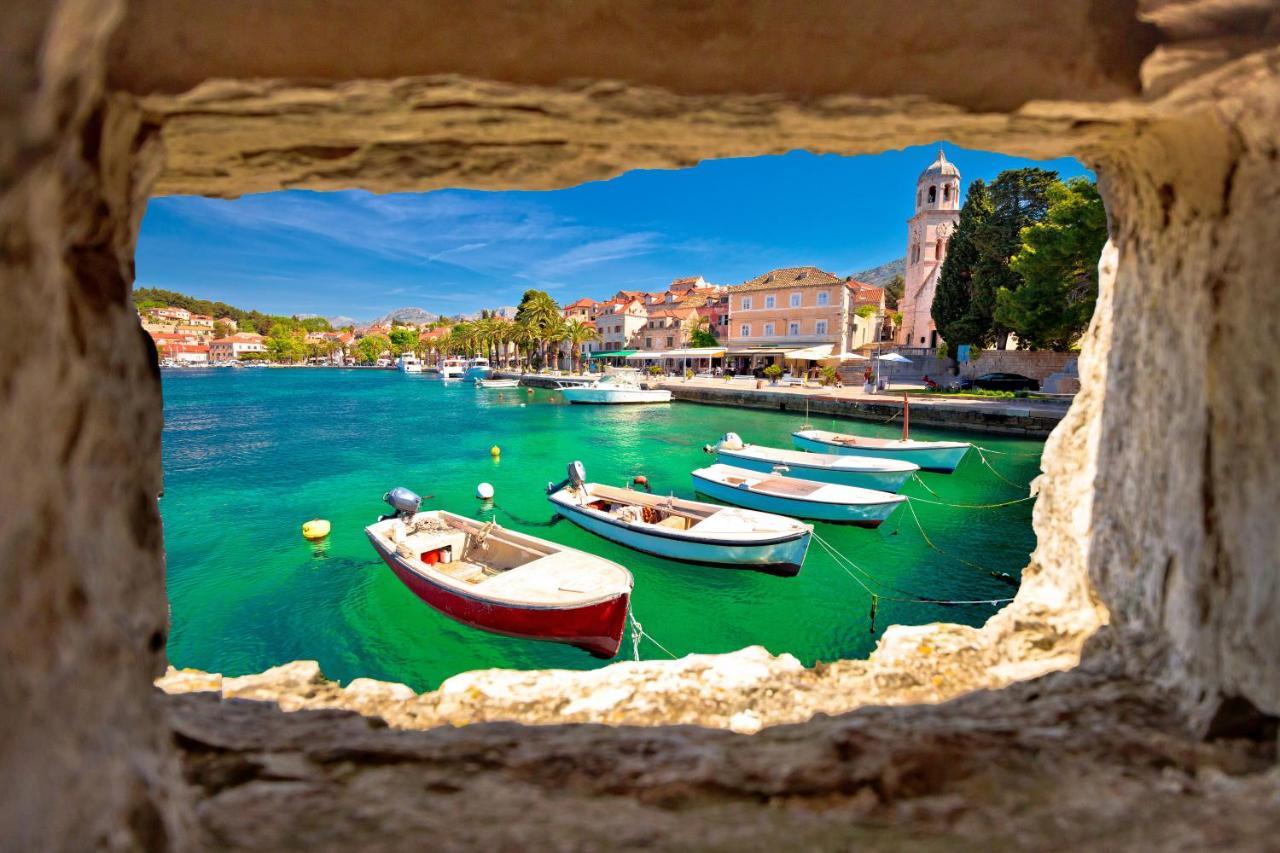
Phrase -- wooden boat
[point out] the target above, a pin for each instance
(612, 390)
(941, 456)
(885, 475)
(930, 455)
(797, 498)
(497, 383)
(498, 580)
(689, 531)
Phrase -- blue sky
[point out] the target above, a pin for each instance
(359, 254)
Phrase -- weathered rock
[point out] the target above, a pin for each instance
(1158, 498)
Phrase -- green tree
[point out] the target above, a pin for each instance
(893, 291)
(539, 313)
(221, 330)
(579, 334)
(953, 311)
(286, 346)
(1058, 264)
(403, 340)
(370, 348)
(978, 255)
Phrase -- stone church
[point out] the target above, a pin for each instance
(928, 231)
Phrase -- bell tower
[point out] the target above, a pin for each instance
(937, 211)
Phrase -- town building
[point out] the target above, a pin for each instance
(668, 328)
(171, 314)
(229, 323)
(619, 322)
(784, 310)
(203, 321)
(189, 353)
(232, 347)
(937, 211)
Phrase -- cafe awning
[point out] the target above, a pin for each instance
(617, 353)
(817, 353)
(695, 352)
(757, 351)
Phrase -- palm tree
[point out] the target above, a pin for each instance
(539, 312)
(523, 336)
(579, 333)
(555, 333)
(463, 338)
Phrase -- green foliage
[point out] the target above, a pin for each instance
(403, 340)
(221, 330)
(316, 324)
(828, 374)
(773, 371)
(943, 350)
(700, 337)
(252, 356)
(370, 348)
(287, 346)
(987, 236)
(866, 312)
(893, 291)
(655, 370)
(1059, 267)
(249, 321)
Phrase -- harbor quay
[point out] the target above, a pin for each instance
(1030, 417)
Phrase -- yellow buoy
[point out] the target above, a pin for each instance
(316, 528)
(495, 451)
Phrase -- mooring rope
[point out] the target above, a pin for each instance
(904, 596)
(941, 502)
(1003, 577)
(555, 519)
(637, 633)
(987, 462)
(1009, 452)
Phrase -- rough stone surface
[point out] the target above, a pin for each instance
(1158, 498)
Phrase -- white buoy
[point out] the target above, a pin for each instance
(484, 492)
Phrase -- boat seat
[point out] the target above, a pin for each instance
(787, 486)
(675, 522)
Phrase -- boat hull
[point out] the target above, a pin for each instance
(596, 628)
(942, 459)
(616, 396)
(863, 515)
(475, 373)
(883, 481)
(783, 556)
(498, 383)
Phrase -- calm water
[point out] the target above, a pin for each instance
(251, 454)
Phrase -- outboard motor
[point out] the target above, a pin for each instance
(577, 477)
(404, 502)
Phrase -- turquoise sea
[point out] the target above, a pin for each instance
(249, 455)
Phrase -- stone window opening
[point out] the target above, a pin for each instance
(933, 195)
(1090, 554)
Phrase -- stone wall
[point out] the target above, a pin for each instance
(1160, 487)
(1037, 364)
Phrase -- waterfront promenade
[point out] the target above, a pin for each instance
(1033, 418)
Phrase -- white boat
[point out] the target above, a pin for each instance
(497, 383)
(941, 456)
(886, 475)
(689, 531)
(409, 363)
(796, 498)
(453, 368)
(502, 581)
(612, 390)
(477, 368)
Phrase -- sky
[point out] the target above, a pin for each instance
(360, 255)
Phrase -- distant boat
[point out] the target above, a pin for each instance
(501, 581)
(409, 363)
(453, 368)
(886, 475)
(685, 530)
(796, 498)
(477, 368)
(941, 456)
(497, 383)
(613, 389)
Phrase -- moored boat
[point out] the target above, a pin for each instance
(941, 456)
(453, 368)
(886, 475)
(409, 363)
(477, 369)
(497, 383)
(614, 389)
(689, 531)
(796, 498)
(502, 581)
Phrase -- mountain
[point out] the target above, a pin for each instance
(507, 312)
(407, 315)
(341, 322)
(880, 275)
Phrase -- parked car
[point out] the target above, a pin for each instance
(999, 382)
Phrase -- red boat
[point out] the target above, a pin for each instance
(496, 579)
